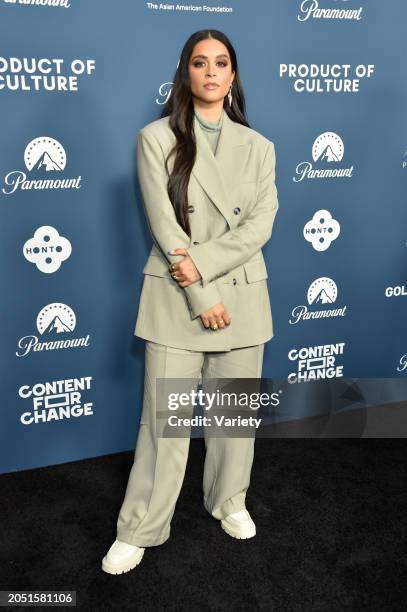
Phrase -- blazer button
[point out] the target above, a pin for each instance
(191, 209)
(234, 281)
(236, 210)
(195, 242)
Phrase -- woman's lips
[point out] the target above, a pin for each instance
(211, 86)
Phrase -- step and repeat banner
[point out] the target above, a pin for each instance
(323, 79)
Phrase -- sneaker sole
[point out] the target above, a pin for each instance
(122, 568)
(237, 533)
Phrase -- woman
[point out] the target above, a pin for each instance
(208, 186)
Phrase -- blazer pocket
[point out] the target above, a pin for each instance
(255, 270)
(156, 266)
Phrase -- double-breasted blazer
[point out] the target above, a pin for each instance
(233, 201)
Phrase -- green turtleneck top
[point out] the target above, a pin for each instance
(211, 129)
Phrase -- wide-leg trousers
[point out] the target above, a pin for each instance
(158, 470)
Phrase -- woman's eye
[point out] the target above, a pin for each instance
(198, 64)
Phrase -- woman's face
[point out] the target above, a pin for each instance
(210, 63)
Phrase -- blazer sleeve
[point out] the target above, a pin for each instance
(164, 227)
(220, 255)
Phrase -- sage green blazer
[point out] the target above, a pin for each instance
(232, 205)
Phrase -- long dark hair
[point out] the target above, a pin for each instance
(180, 110)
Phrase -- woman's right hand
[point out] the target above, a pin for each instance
(217, 315)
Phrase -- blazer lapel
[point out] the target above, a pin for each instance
(217, 173)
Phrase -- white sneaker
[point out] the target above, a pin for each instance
(239, 525)
(121, 557)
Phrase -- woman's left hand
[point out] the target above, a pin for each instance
(184, 271)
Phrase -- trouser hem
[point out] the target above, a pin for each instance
(135, 540)
(223, 511)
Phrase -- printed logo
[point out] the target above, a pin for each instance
(397, 291)
(47, 249)
(327, 152)
(402, 363)
(311, 9)
(43, 157)
(164, 92)
(316, 362)
(53, 320)
(321, 292)
(47, 74)
(322, 230)
(56, 400)
(404, 160)
(326, 78)
(54, 3)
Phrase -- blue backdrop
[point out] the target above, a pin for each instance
(323, 80)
